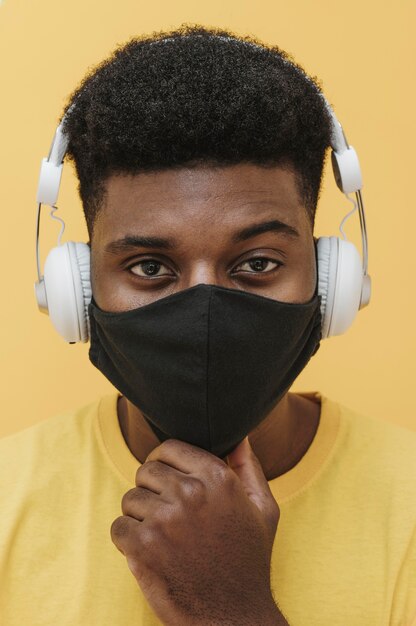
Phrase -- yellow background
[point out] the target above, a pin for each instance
(364, 53)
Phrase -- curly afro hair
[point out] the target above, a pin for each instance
(195, 96)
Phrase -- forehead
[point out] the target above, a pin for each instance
(206, 197)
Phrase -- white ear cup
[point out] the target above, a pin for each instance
(340, 281)
(68, 290)
(82, 262)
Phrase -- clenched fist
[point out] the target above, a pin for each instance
(198, 536)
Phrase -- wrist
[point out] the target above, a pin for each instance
(273, 618)
(268, 615)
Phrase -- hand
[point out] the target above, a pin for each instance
(198, 536)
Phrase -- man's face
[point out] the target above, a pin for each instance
(242, 227)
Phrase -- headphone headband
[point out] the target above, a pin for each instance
(50, 175)
(344, 283)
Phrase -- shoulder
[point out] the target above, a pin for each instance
(377, 438)
(42, 448)
(380, 458)
(51, 427)
(367, 438)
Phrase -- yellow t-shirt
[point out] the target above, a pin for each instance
(344, 552)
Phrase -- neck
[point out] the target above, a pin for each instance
(279, 441)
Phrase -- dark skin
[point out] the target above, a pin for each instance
(187, 501)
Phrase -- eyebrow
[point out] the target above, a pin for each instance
(257, 229)
(131, 242)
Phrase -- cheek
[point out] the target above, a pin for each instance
(309, 272)
(108, 292)
(106, 289)
(98, 286)
(112, 292)
(297, 281)
(310, 276)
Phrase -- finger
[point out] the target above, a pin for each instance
(132, 539)
(246, 465)
(183, 456)
(139, 503)
(155, 475)
(122, 532)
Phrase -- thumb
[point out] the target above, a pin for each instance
(246, 465)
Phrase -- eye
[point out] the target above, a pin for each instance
(259, 265)
(148, 269)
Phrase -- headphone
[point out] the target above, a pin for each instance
(64, 290)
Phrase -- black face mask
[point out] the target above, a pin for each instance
(205, 365)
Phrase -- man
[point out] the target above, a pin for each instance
(199, 156)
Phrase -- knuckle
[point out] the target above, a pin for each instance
(155, 468)
(142, 468)
(192, 488)
(170, 445)
(132, 497)
(176, 446)
(119, 528)
(126, 500)
(150, 467)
